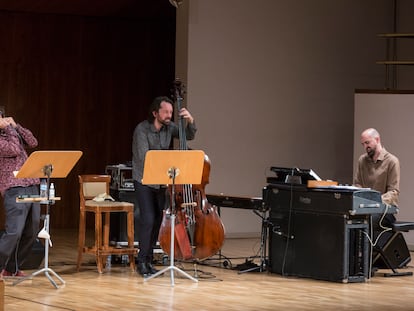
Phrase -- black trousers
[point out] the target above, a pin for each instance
(151, 203)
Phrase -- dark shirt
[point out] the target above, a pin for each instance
(146, 137)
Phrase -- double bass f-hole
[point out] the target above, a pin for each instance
(199, 232)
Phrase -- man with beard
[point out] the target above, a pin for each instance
(155, 133)
(377, 168)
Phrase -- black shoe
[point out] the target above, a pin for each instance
(143, 269)
(151, 268)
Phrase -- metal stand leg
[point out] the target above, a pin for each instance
(263, 241)
(46, 270)
(171, 267)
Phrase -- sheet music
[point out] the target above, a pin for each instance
(344, 187)
(314, 175)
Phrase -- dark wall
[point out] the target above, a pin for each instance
(83, 83)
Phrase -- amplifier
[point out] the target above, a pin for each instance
(121, 177)
(117, 231)
(319, 246)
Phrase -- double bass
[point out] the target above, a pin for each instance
(198, 229)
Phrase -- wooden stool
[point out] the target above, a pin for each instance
(90, 187)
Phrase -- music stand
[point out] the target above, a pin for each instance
(47, 164)
(173, 167)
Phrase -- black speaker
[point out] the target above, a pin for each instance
(117, 231)
(36, 256)
(391, 252)
(319, 246)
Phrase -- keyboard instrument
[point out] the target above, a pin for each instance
(221, 200)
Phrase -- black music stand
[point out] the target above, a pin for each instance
(173, 167)
(47, 164)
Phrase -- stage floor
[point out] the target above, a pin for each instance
(220, 286)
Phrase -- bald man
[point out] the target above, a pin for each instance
(377, 168)
(380, 170)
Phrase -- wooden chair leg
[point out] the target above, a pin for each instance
(81, 239)
(130, 233)
(99, 264)
(105, 239)
(106, 224)
(98, 240)
(102, 228)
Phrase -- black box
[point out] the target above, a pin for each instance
(121, 177)
(393, 247)
(117, 231)
(325, 247)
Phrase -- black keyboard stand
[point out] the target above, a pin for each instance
(263, 249)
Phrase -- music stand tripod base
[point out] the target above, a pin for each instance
(41, 164)
(171, 267)
(46, 270)
(163, 167)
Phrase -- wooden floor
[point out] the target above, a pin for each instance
(218, 287)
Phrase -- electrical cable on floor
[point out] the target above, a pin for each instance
(40, 303)
(200, 274)
(221, 262)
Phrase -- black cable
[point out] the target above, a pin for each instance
(226, 263)
(205, 276)
(288, 228)
(40, 303)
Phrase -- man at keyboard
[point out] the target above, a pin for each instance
(377, 168)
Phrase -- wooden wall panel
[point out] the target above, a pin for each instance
(83, 83)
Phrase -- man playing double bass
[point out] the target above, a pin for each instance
(155, 133)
